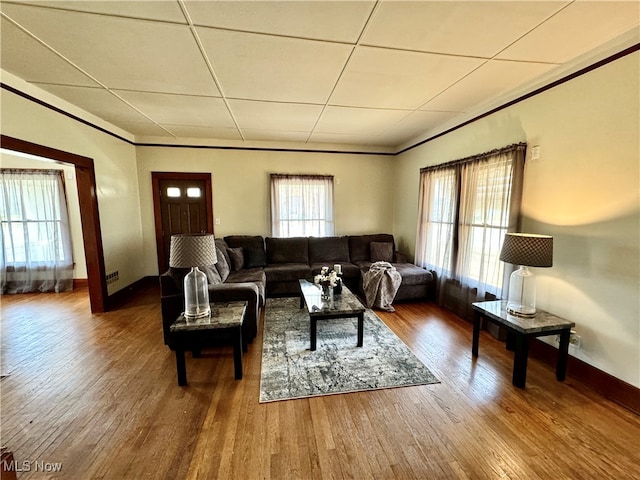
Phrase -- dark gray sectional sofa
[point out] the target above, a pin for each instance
(252, 268)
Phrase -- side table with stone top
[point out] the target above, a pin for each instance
(223, 325)
(519, 331)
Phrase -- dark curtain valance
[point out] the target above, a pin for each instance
(301, 175)
(474, 158)
(32, 171)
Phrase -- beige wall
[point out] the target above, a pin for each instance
(584, 190)
(71, 188)
(240, 180)
(116, 177)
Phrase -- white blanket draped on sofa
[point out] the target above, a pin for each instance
(380, 285)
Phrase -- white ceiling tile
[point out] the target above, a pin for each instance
(275, 116)
(180, 109)
(493, 78)
(415, 124)
(580, 27)
(348, 139)
(378, 77)
(168, 11)
(274, 135)
(476, 28)
(261, 67)
(324, 20)
(98, 101)
(28, 59)
(122, 53)
(357, 121)
(194, 131)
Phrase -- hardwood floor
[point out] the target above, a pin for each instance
(97, 394)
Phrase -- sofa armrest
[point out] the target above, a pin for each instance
(172, 307)
(244, 291)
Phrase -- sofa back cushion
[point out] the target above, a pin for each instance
(328, 250)
(287, 250)
(359, 245)
(252, 249)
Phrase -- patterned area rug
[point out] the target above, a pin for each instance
(290, 370)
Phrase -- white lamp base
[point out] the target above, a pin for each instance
(522, 293)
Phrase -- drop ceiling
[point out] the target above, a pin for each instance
(358, 74)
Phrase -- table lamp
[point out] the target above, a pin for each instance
(526, 250)
(190, 251)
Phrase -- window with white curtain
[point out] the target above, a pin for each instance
(301, 205)
(465, 209)
(36, 248)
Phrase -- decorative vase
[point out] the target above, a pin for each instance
(337, 290)
(327, 293)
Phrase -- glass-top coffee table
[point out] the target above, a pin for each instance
(343, 305)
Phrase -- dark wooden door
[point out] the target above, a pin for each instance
(182, 203)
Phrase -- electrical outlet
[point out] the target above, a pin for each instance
(575, 340)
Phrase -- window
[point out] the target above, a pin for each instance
(36, 242)
(465, 209)
(301, 205)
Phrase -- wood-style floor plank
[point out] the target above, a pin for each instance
(98, 394)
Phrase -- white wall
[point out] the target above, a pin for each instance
(71, 188)
(363, 196)
(116, 176)
(584, 190)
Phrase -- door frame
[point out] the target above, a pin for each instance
(156, 177)
(89, 215)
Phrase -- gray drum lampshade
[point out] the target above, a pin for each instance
(192, 250)
(527, 249)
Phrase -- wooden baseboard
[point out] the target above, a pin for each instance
(124, 294)
(605, 384)
(80, 283)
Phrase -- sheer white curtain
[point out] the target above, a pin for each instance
(36, 248)
(301, 205)
(465, 209)
(437, 215)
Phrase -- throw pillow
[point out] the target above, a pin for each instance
(213, 277)
(237, 258)
(222, 266)
(381, 251)
(254, 257)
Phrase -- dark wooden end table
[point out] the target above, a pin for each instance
(224, 324)
(344, 305)
(519, 331)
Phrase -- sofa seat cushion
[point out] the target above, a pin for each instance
(287, 250)
(349, 270)
(247, 275)
(330, 250)
(286, 272)
(412, 274)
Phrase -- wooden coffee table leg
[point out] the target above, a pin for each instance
(312, 333)
(181, 367)
(563, 354)
(520, 360)
(360, 329)
(237, 354)
(477, 319)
